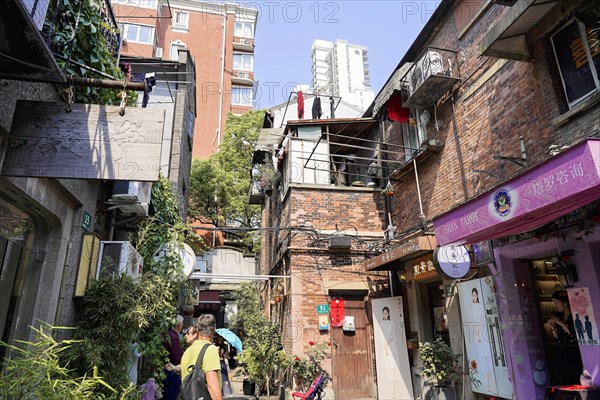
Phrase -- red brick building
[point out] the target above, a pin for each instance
(485, 136)
(499, 119)
(220, 37)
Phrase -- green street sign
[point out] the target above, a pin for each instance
(86, 221)
(322, 308)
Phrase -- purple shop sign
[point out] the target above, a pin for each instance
(561, 184)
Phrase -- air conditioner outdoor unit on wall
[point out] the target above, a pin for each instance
(340, 242)
(247, 41)
(119, 257)
(131, 192)
(243, 75)
(158, 53)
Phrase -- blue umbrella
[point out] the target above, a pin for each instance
(231, 337)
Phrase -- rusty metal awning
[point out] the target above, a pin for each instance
(24, 54)
(412, 248)
(508, 38)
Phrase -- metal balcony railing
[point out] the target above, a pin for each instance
(432, 75)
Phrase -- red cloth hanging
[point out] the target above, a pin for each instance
(337, 312)
(395, 110)
(300, 105)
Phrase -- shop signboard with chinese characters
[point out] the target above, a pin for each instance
(583, 312)
(488, 369)
(424, 269)
(90, 142)
(559, 185)
(391, 351)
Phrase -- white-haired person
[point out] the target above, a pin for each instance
(172, 381)
(211, 365)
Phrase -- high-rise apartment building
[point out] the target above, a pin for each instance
(342, 69)
(220, 37)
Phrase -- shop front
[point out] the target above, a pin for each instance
(420, 304)
(539, 234)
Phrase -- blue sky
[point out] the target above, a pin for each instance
(286, 30)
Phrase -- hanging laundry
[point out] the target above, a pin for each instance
(316, 108)
(150, 80)
(300, 105)
(395, 110)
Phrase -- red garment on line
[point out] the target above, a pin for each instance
(300, 105)
(395, 110)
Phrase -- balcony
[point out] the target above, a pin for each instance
(243, 44)
(434, 73)
(243, 78)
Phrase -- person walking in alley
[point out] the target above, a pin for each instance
(211, 365)
(172, 382)
(190, 337)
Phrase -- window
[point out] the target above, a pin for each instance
(242, 96)
(578, 65)
(244, 29)
(138, 33)
(180, 20)
(175, 46)
(243, 61)
(413, 134)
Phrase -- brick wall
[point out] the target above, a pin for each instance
(496, 102)
(306, 257)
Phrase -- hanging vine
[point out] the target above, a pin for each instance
(77, 33)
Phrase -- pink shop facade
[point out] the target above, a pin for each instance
(542, 232)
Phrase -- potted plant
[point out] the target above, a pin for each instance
(439, 364)
(412, 343)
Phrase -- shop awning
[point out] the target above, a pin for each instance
(559, 185)
(412, 248)
(508, 38)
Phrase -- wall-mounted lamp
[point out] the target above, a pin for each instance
(402, 277)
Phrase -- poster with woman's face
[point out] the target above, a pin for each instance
(391, 354)
(477, 338)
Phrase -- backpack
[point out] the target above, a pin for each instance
(194, 385)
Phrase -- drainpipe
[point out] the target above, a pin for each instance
(383, 156)
(422, 218)
(222, 84)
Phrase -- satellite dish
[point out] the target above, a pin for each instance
(188, 257)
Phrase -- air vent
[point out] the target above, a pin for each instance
(340, 242)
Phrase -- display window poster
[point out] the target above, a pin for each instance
(586, 328)
(488, 370)
(391, 353)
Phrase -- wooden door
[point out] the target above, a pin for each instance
(352, 373)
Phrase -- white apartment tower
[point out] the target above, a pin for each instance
(341, 69)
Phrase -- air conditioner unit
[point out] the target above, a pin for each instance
(158, 52)
(119, 257)
(135, 209)
(131, 192)
(243, 75)
(340, 242)
(247, 41)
